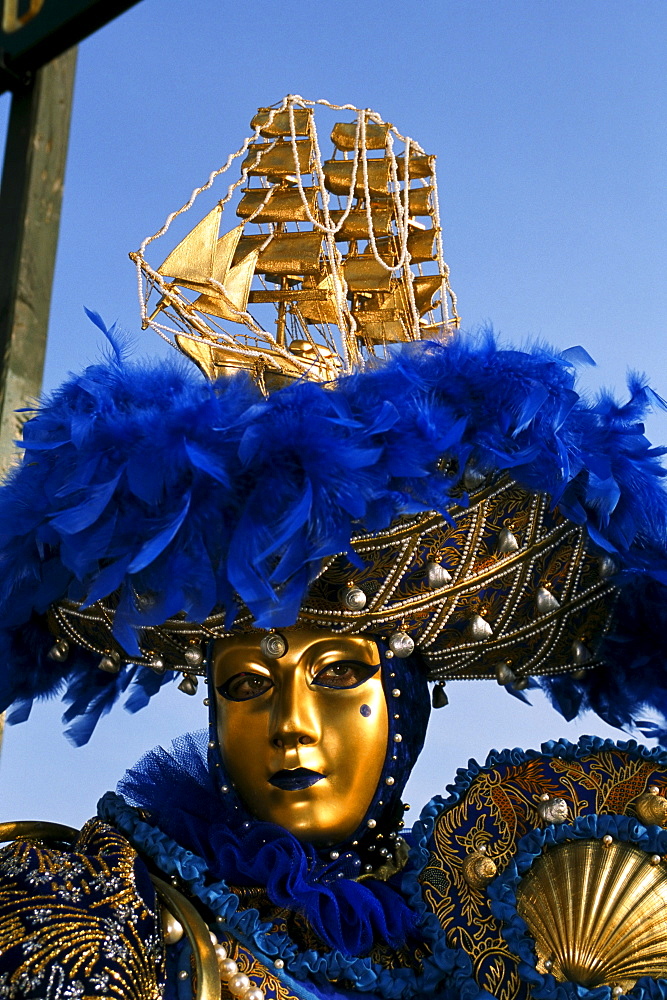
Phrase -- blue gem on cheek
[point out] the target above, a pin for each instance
(365, 711)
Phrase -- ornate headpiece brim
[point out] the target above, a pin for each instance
(140, 530)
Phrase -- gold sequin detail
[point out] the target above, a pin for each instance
(80, 931)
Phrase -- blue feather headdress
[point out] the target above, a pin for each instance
(153, 509)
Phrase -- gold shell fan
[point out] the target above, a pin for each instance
(598, 913)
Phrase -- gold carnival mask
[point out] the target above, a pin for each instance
(302, 725)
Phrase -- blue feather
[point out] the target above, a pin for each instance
(144, 478)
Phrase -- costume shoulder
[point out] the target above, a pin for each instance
(78, 921)
(547, 869)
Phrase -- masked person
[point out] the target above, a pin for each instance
(319, 535)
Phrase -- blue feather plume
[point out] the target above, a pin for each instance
(144, 477)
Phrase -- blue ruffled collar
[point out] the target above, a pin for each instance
(176, 793)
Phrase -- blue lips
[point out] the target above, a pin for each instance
(295, 780)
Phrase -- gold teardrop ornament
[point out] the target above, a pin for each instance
(598, 913)
(479, 870)
(652, 807)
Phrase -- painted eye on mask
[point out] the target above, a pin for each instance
(242, 687)
(346, 674)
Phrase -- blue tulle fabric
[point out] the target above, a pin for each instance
(175, 788)
(181, 791)
(146, 478)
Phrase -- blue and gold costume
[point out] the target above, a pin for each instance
(81, 922)
(455, 510)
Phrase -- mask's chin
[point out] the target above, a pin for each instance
(310, 806)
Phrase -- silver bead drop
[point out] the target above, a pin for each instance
(398, 738)
(372, 823)
(473, 478)
(194, 656)
(110, 663)
(188, 685)
(401, 644)
(506, 542)
(608, 567)
(504, 674)
(545, 601)
(580, 653)
(334, 855)
(352, 598)
(439, 697)
(478, 628)
(437, 576)
(389, 780)
(59, 651)
(156, 663)
(553, 810)
(396, 693)
(279, 964)
(273, 646)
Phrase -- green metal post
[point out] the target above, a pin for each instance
(30, 200)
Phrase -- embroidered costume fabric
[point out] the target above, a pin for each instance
(496, 805)
(79, 923)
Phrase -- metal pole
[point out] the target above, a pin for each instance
(30, 201)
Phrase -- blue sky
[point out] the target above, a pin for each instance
(548, 118)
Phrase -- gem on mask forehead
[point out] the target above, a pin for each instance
(365, 711)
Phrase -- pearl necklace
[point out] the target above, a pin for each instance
(238, 984)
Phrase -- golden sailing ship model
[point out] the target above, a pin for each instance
(345, 253)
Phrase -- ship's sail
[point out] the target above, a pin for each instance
(291, 254)
(277, 159)
(272, 123)
(321, 307)
(419, 165)
(363, 273)
(346, 135)
(191, 262)
(278, 204)
(338, 177)
(422, 245)
(201, 255)
(355, 225)
(233, 300)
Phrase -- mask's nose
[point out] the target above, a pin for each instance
(294, 719)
